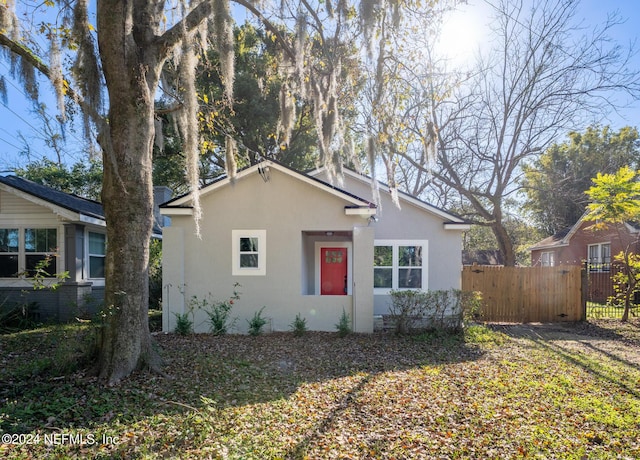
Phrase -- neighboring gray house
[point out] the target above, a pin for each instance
(38, 222)
(297, 244)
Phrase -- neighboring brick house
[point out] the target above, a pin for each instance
(595, 249)
(581, 243)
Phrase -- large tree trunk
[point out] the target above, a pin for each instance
(127, 192)
(504, 244)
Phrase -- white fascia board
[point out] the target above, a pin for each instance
(456, 226)
(547, 246)
(360, 211)
(92, 220)
(176, 211)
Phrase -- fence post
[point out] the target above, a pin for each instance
(584, 289)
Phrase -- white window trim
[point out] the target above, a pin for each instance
(261, 269)
(550, 257)
(599, 263)
(22, 252)
(87, 258)
(395, 244)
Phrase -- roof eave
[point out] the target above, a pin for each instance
(457, 226)
(176, 211)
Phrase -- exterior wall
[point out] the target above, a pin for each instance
(76, 297)
(413, 223)
(16, 212)
(287, 209)
(575, 253)
(69, 301)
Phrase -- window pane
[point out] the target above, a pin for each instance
(248, 244)
(8, 266)
(410, 278)
(333, 257)
(96, 267)
(383, 256)
(410, 256)
(31, 261)
(382, 277)
(8, 240)
(40, 240)
(97, 243)
(248, 260)
(593, 253)
(606, 253)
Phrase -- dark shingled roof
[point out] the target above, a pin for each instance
(64, 200)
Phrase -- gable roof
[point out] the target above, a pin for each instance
(452, 221)
(71, 206)
(563, 237)
(263, 168)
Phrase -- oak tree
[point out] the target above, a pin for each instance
(114, 69)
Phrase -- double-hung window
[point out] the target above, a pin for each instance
(547, 259)
(400, 264)
(40, 245)
(25, 250)
(249, 252)
(97, 254)
(599, 256)
(9, 252)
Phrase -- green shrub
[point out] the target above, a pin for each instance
(219, 314)
(184, 326)
(416, 310)
(344, 325)
(299, 326)
(18, 317)
(257, 323)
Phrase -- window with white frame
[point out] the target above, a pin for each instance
(40, 244)
(547, 259)
(97, 254)
(599, 256)
(25, 250)
(400, 264)
(249, 252)
(9, 252)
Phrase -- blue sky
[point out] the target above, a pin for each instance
(19, 126)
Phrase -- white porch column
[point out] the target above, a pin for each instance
(363, 238)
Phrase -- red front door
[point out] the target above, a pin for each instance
(333, 271)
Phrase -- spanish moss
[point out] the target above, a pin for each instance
(223, 32)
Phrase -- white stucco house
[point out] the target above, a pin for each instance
(298, 245)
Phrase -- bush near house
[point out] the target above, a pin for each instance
(416, 310)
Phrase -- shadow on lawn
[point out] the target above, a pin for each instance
(228, 371)
(603, 349)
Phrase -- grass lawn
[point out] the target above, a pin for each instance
(604, 311)
(505, 392)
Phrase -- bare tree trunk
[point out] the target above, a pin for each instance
(505, 245)
(127, 141)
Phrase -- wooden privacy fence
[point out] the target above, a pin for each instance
(527, 294)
